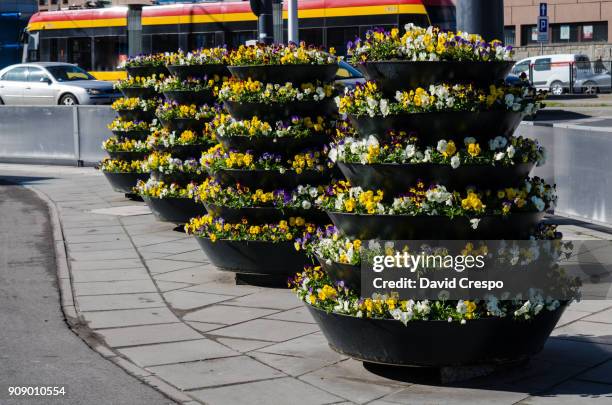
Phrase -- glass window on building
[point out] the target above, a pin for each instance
(580, 32)
(529, 35)
(108, 51)
(509, 35)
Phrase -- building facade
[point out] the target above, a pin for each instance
(576, 26)
(52, 5)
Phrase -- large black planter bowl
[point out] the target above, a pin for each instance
(182, 179)
(282, 74)
(489, 341)
(125, 182)
(278, 111)
(128, 156)
(349, 274)
(135, 135)
(139, 92)
(286, 146)
(399, 75)
(404, 227)
(266, 215)
(191, 97)
(175, 210)
(431, 127)
(255, 257)
(198, 71)
(136, 115)
(183, 124)
(396, 179)
(187, 151)
(147, 71)
(270, 179)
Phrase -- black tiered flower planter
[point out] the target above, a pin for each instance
(396, 179)
(266, 215)
(185, 151)
(140, 92)
(125, 182)
(424, 227)
(349, 274)
(183, 124)
(281, 74)
(286, 146)
(129, 156)
(271, 179)
(135, 135)
(173, 209)
(188, 97)
(437, 343)
(146, 71)
(276, 111)
(136, 115)
(398, 75)
(179, 178)
(451, 125)
(198, 71)
(255, 257)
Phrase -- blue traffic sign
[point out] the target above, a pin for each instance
(543, 24)
(543, 9)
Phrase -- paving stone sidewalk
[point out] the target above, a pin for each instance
(148, 299)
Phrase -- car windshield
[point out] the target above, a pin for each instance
(69, 73)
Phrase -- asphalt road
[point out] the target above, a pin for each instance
(36, 346)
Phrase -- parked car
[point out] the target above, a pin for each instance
(347, 76)
(53, 83)
(552, 72)
(598, 83)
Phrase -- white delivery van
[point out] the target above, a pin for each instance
(552, 72)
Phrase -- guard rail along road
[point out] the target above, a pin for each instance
(578, 155)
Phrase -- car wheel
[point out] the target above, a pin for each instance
(590, 88)
(68, 99)
(556, 88)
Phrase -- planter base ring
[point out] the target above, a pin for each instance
(489, 341)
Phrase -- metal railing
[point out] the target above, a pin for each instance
(578, 162)
(54, 134)
(571, 77)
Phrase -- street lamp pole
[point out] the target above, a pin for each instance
(483, 17)
(266, 23)
(293, 22)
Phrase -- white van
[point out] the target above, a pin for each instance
(552, 72)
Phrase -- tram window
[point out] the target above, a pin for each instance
(107, 51)
(199, 40)
(419, 20)
(238, 38)
(49, 50)
(339, 37)
(312, 36)
(164, 43)
(79, 52)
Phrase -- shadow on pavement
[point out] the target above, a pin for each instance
(21, 180)
(550, 114)
(537, 377)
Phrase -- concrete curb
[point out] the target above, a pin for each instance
(75, 321)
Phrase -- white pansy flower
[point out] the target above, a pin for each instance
(455, 162)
